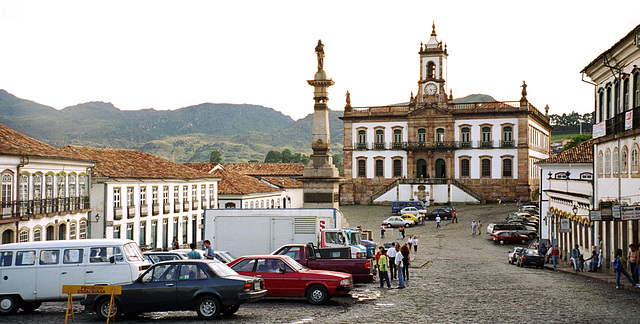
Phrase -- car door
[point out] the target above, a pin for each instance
(191, 278)
(154, 291)
(277, 282)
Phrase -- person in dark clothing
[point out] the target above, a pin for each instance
(405, 251)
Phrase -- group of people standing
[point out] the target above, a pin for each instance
(476, 227)
(395, 263)
(633, 259)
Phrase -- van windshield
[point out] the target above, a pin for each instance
(133, 253)
(354, 238)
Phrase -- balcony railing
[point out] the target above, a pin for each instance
(117, 213)
(35, 207)
(144, 210)
(204, 204)
(507, 144)
(194, 205)
(176, 207)
(166, 209)
(212, 203)
(617, 123)
(155, 209)
(131, 211)
(485, 144)
(185, 206)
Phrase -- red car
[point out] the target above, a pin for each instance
(503, 237)
(284, 277)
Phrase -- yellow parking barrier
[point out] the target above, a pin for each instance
(90, 290)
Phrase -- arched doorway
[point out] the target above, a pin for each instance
(8, 236)
(284, 202)
(50, 233)
(230, 205)
(440, 169)
(62, 231)
(421, 169)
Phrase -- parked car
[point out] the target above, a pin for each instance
(397, 221)
(521, 229)
(284, 277)
(443, 213)
(155, 257)
(450, 209)
(503, 237)
(411, 210)
(222, 256)
(513, 254)
(530, 257)
(397, 206)
(410, 217)
(207, 286)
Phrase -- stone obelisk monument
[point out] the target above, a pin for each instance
(321, 179)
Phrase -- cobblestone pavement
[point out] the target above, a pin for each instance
(455, 278)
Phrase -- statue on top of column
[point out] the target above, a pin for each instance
(320, 53)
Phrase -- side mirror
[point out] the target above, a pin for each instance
(112, 259)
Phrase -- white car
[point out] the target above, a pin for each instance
(411, 210)
(397, 221)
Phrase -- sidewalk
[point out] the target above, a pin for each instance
(600, 276)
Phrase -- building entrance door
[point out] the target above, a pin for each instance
(421, 170)
(440, 169)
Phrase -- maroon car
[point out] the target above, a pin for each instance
(503, 237)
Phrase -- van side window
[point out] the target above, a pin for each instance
(25, 258)
(190, 272)
(49, 256)
(102, 254)
(165, 272)
(5, 258)
(72, 256)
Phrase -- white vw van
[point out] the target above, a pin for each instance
(33, 272)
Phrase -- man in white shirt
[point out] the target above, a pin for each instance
(437, 221)
(392, 260)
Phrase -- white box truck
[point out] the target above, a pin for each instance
(261, 231)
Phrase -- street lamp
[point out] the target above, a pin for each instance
(550, 174)
(568, 174)
(575, 210)
(97, 217)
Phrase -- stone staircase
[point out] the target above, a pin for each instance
(428, 181)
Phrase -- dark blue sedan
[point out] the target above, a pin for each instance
(207, 286)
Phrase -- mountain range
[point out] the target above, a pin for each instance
(189, 134)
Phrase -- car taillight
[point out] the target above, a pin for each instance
(247, 286)
(524, 258)
(367, 265)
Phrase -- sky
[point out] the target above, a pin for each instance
(172, 54)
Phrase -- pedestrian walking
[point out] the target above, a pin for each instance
(410, 241)
(400, 232)
(406, 260)
(617, 266)
(474, 227)
(208, 251)
(632, 261)
(383, 267)
(454, 217)
(415, 243)
(518, 204)
(575, 258)
(193, 254)
(175, 245)
(479, 229)
(543, 251)
(399, 266)
(392, 260)
(554, 255)
(382, 230)
(437, 221)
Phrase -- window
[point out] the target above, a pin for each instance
(379, 138)
(625, 95)
(212, 199)
(7, 188)
(72, 185)
(616, 161)
(176, 194)
(62, 187)
(6, 257)
(251, 205)
(486, 168)
(203, 193)
(601, 105)
(486, 136)
(49, 257)
(23, 236)
(130, 198)
(185, 229)
(624, 161)
(116, 231)
(194, 193)
(49, 185)
(25, 258)
(82, 182)
(362, 138)
(102, 254)
(143, 196)
(465, 136)
(379, 168)
(465, 168)
(397, 168)
(634, 160)
(422, 135)
(397, 137)
(72, 256)
(143, 234)
(607, 162)
(116, 197)
(165, 195)
(616, 97)
(600, 162)
(129, 231)
(37, 234)
(37, 186)
(608, 112)
(185, 195)
(507, 168)
(440, 135)
(24, 187)
(154, 234)
(175, 227)
(431, 70)
(191, 272)
(83, 229)
(507, 136)
(362, 168)
(72, 231)
(636, 89)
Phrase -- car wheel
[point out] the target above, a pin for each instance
(501, 242)
(9, 305)
(445, 218)
(30, 306)
(532, 236)
(523, 241)
(407, 225)
(208, 307)
(102, 309)
(317, 294)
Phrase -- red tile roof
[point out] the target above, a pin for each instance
(15, 143)
(581, 153)
(283, 182)
(267, 169)
(234, 183)
(203, 166)
(125, 163)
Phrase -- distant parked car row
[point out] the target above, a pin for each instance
(524, 257)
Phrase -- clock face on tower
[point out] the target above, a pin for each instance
(430, 89)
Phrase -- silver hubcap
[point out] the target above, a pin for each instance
(317, 294)
(6, 304)
(208, 307)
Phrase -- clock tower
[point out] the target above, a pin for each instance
(433, 71)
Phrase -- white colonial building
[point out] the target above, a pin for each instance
(45, 191)
(433, 148)
(616, 77)
(145, 198)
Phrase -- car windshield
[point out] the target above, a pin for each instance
(221, 269)
(293, 263)
(531, 252)
(133, 253)
(354, 238)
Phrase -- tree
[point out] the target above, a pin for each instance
(216, 157)
(273, 157)
(304, 159)
(253, 161)
(577, 140)
(286, 156)
(337, 161)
